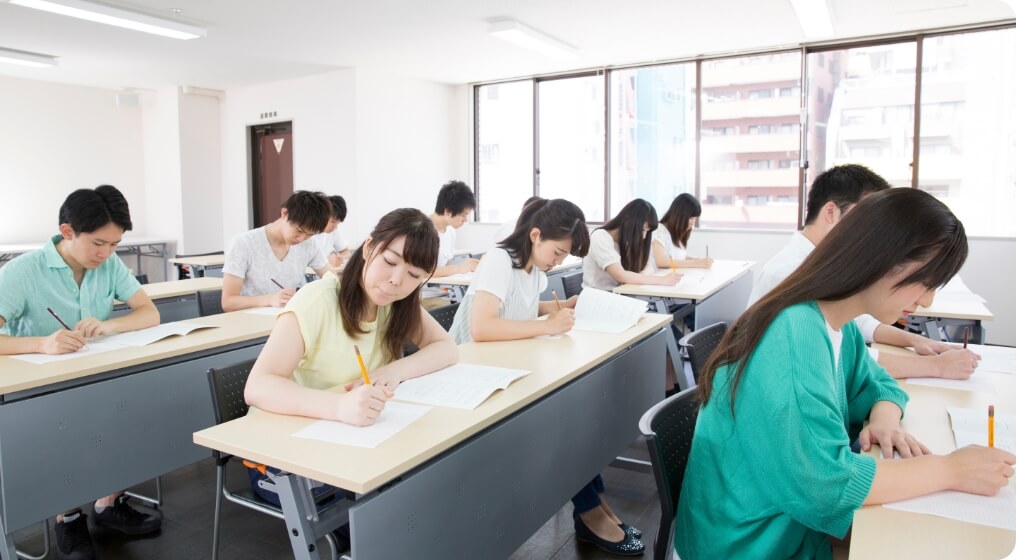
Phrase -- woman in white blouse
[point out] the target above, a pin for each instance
(670, 242)
(619, 251)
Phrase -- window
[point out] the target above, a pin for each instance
(652, 131)
(504, 159)
(760, 94)
(790, 91)
(787, 163)
(789, 128)
(759, 164)
(760, 129)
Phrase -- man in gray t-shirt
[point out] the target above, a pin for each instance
(265, 266)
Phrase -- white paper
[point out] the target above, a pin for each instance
(90, 349)
(964, 439)
(463, 386)
(994, 511)
(271, 311)
(144, 337)
(392, 420)
(976, 420)
(974, 384)
(1001, 359)
(600, 311)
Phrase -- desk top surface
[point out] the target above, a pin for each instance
(266, 437)
(464, 279)
(952, 308)
(175, 288)
(127, 242)
(884, 533)
(698, 283)
(16, 375)
(205, 260)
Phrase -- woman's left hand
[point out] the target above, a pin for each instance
(884, 429)
(378, 378)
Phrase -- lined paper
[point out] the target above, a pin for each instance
(600, 311)
(392, 420)
(993, 511)
(463, 386)
(91, 349)
(974, 384)
(144, 337)
(1000, 359)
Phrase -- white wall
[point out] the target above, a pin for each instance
(200, 175)
(59, 138)
(161, 111)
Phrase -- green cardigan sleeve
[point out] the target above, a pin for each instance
(790, 421)
(867, 382)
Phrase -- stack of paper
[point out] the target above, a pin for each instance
(392, 420)
(462, 386)
(143, 337)
(970, 427)
(602, 311)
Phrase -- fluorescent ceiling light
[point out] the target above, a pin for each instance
(24, 58)
(522, 35)
(1012, 4)
(814, 16)
(109, 15)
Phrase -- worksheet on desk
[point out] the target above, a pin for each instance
(90, 349)
(600, 311)
(144, 337)
(970, 426)
(973, 384)
(1000, 359)
(392, 420)
(994, 511)
(463, 386)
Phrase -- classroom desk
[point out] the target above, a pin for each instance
(955, 313)
(884, 533)
(457, 284)
(176, 300)
(470, 483)
(137, 246)
(77, 430)
(699, 292)
(202, 265)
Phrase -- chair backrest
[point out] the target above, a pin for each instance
(701, 344)
(572, 282)
(209, 302)
(227, 384)
(445, 315)
(668, 428)
(142, 278)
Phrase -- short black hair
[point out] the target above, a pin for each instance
(338, 207)
(456, 197)
(308, 210)
(844, 185)
(87, 210)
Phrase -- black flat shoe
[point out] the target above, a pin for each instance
(630, 546)
(630, 531)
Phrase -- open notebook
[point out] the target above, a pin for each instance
(463, 386)
(602, 311)
(143, 337)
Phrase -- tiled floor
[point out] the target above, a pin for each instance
(188, 496)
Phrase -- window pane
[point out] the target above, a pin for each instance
(504, 149)
(968, 128)
(755, 102)
(866, 113)
(652, 128)
(571, 161)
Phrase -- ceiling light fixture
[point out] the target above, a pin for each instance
(814, 17)
(522, 35)
(24, 58)
(118, 17)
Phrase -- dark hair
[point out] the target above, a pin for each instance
(844, 185)
(87, 210)
(888, 229)
(338, 207)
(456, 197)
(420, 249)
(308, 210)
(683, 208)
(531, 199)
(628, 223)
(556, 219)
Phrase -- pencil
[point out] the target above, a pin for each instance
(707, 251)
(966, 336)
(557, 301)
(991, 425)
(363, 368)
(62, 324)
(673, 267)
(281, 287)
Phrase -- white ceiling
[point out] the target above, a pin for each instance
(257, 41)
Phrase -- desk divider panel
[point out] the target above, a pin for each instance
(494, 491)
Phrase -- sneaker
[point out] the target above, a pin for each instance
(73, 541)
(129, 521)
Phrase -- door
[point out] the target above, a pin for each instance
(271, 169)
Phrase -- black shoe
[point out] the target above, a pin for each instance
(630, 546)
(73, 541)
(630, 531)
(129, 521)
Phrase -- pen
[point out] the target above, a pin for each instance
(557, 301)
(59, 320)
(281, 287)
(966, 336)
(707, 251)
(363, 368)
(991, 425)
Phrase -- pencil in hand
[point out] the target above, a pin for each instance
(966, 336)
(991, 425)
(557, 301)
(281, 287)
(62, 324)
(363, 367)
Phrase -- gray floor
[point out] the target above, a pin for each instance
(188, 495)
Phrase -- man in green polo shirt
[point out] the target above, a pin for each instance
(77, 275)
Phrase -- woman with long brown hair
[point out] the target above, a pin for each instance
(619, 250)
(670, 240)
(771, 472)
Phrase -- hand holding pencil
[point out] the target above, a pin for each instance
(282, 297)
(63, 341)
(560, 321)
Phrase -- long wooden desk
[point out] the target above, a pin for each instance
(176, 300)
(137, 246)
(457, 285)
(201, 265)
(879, 532)
(76, 430)
(716, 294)
(470, 483)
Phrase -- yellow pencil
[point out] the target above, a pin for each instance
(363, 368)
(557, 301)
(991, 425)
(673, 267)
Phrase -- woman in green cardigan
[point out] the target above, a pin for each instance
(771, 472)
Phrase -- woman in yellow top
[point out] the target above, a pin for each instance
(375, 305)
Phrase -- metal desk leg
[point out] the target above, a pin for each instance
(7, 551)
(303, 521)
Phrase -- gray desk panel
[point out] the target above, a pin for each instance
(62, 449)
(170, 309)
(484, 498)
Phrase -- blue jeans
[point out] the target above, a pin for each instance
(589, 497)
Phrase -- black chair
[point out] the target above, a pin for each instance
(445, 315)
(142, 278)
(209, 302)
(700, 345)
(668, 428)
(227, 385)
(572, 282)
